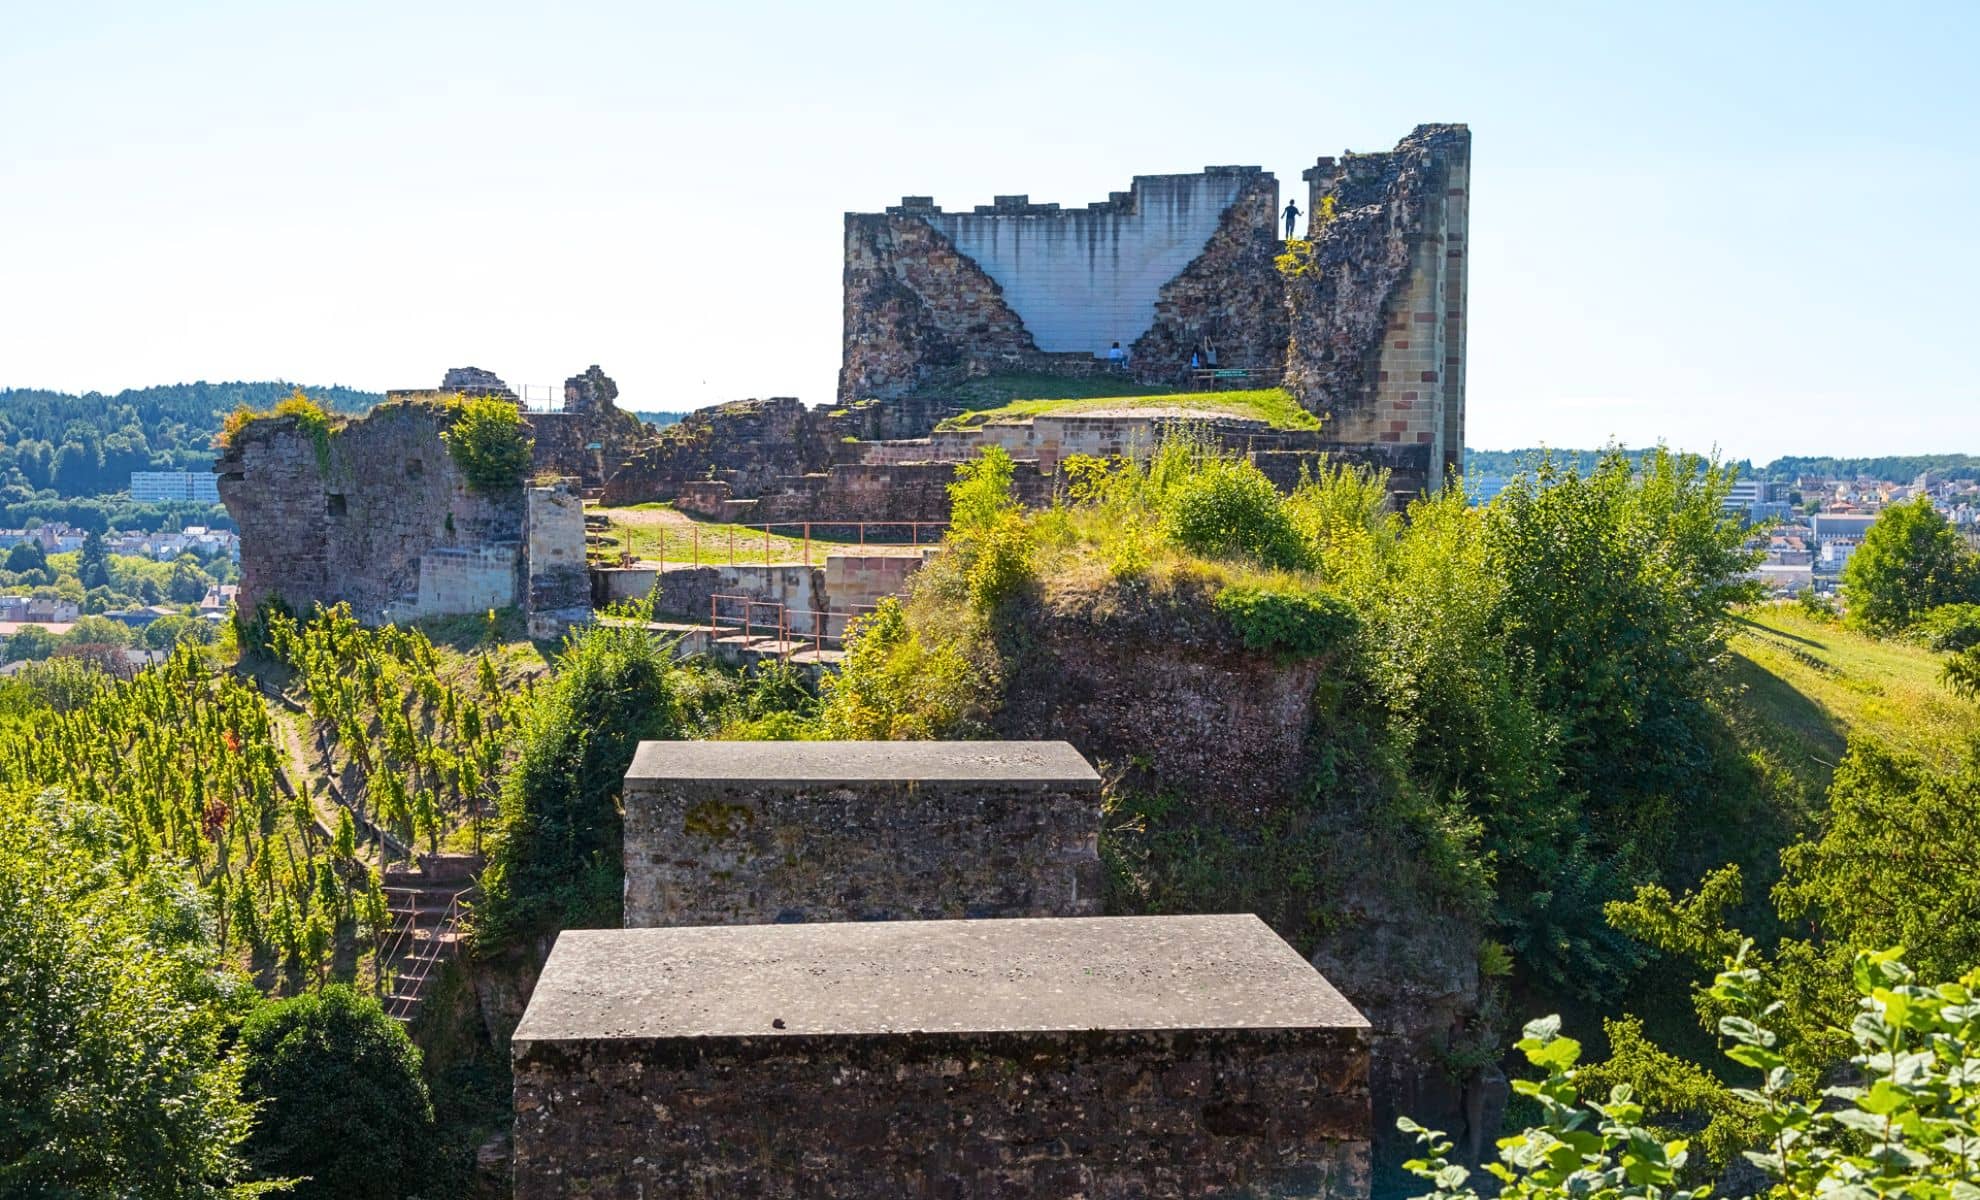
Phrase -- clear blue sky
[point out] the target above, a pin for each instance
(1750, 226)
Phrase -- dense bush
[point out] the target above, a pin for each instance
(489, 442)
(1950, 628)
(1910, 562)
(893, 684)
(1227, 508)
(340, 1104)
(1296, 624)
(1903, 1125)
(555, 862)
(988, 534)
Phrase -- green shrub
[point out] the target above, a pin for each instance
(1902, 1126)
(489, 442)
(988, 533)
(893, 685)
(341, 1104)
(1227, 508)
(556, 858)
(1295, 624)
(1950, 628)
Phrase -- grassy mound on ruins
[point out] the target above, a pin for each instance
(1274, 406)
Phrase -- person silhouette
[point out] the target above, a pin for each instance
(1292, 214)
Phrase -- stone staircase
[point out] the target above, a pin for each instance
(427, 902)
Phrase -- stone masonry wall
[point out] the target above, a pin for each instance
(918, 311)
(353, 521)
(1378, 324)
(719, 850)
(1228, 300)
(1106, 1114)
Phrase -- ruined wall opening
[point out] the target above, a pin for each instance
(335, 505)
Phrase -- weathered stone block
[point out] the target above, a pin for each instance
(721, 833)
(1107, 1058)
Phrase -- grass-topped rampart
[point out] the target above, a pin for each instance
(1274, 406)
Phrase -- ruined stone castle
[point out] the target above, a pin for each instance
(1362, 321)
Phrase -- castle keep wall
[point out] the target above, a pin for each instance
(1082, 279)
(1106, 1058)
(724, 833)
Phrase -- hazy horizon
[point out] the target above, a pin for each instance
(1746, 229)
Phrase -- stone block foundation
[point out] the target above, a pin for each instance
(1103, 1058)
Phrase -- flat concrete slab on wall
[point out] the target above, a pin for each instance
(1110, 1057)
(726, 833)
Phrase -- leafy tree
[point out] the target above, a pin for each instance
(1910, 561)
(93, 569)
(32, 643)
(342, 1107)
(489, 442)
(111, 1078)
(187, 584)
(27, 556)
(167, 632)
(100, 631)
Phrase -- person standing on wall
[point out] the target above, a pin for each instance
(1291, 214)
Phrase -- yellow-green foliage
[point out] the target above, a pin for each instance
(894, 684)
(1275, 406)
(308, 415)
(489, 442)
(989, 536)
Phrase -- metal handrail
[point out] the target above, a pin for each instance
(914, 529)
(399, 1007)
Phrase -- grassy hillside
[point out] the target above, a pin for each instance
(1274, 406)
(1809, 685)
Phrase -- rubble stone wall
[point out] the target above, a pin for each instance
(726, 851)
(377, 515)
(1101, 1114)
(351, 520)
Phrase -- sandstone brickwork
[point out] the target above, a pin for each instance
(1104, 1058)
(722, 833)
(1378, 323)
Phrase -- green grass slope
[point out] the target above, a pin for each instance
(1810, 685)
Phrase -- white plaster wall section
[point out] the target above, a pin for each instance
(1083, 279)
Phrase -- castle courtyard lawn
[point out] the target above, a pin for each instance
(1274, 406)
(660, 533)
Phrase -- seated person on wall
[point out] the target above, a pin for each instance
(1117, 358)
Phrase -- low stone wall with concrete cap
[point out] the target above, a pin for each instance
(729, 833)
(1104, 1057)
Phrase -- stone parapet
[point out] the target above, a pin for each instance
(1106, 1058)
(721, 833)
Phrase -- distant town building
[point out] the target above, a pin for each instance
(199, 487)
(1831, 526)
